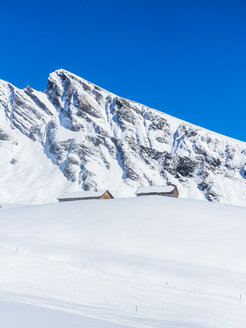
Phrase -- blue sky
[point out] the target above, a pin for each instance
(186, 58)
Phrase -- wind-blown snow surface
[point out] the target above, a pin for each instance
(76, 135)
(181, 262)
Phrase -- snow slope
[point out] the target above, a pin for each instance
(14, 314)
(76, 135)
(181, 262)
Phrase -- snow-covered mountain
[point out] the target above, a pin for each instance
(77, 135)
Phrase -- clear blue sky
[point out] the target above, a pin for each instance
(184, 57)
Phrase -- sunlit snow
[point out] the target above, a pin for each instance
(137, 262)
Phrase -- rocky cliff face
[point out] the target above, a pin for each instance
(86, 137)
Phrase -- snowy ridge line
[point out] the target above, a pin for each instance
(170, 117)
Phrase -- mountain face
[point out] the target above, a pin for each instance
(76, 135)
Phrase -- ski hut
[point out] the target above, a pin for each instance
(84, 195)
(168, 191)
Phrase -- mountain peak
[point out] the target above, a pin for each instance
(66, 74)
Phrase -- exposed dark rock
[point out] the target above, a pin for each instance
(186, 166)
(4, 136)
(158, 124)
(131, 174)
(126, 115)
(203, 186)
(213, 161)
(13, 161)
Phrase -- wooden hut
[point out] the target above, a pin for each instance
(168, 191)
(84, 195)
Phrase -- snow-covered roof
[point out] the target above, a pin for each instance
(82, 194)
(154, 189)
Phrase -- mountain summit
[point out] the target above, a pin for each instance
(76, 135)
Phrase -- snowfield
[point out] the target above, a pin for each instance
(182, 263)
(26, 315)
